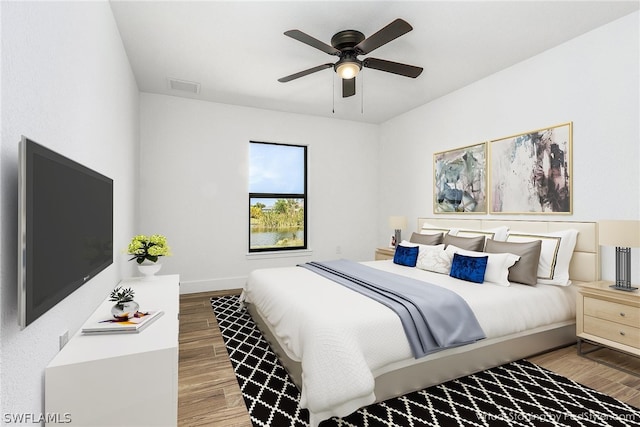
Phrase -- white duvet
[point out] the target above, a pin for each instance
(344, 339)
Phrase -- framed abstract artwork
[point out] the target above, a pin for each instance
(460, 180)
(531, 173)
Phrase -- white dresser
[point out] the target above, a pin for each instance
(121, 379)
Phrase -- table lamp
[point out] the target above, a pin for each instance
(624, 235)
(397, 223)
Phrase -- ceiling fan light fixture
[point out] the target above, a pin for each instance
(347, 69)
(348, 45)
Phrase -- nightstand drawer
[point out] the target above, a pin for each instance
(615, 312)
(384, 253)
(613, 331)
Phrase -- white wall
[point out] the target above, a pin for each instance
(194, 185)
(66, 83)
(591, 80)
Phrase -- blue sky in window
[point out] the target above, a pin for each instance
(276, 168)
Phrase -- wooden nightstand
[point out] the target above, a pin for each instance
(384, 253)
(608, 317)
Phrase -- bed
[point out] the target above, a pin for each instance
(345, 351)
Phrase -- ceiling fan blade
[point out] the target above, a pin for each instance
(313, 42)
(348, 87)
(304, 73)
(384, 36)
(392, 67)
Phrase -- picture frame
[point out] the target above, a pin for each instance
(532, 172)
(460, 180)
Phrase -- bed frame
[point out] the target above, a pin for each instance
(436, 368)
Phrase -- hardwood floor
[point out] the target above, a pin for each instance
(209, 395)
(208, 392)
(598, 376)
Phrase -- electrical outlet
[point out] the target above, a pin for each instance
(338, 250)
(64, 338)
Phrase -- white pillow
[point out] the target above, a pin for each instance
(421, 247)
(434, 229)
(497, 271)
(555, 254)
(498, 234)
(434, 258)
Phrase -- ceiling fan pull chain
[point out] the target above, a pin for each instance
(333, 94)
(362, 93)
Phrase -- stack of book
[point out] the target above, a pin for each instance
(112, 325)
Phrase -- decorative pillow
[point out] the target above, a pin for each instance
(498, 265)
(468, 268)
(421, 247)
(526, 269)
(426, 239)
(555, 254)
(433, 229)
(498, 233)
(434, 258)
(406, 255)
(468, 243)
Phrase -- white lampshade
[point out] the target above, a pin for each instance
(348, 70)
(398, 222)
(621, 233)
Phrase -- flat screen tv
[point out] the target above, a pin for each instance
(65, 228)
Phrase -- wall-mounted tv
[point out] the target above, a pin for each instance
(65, 228)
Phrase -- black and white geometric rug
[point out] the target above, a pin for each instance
(516, 394)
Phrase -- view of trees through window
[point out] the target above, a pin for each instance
(277, 195)
(279, 224)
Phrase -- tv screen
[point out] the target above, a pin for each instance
(65, 226)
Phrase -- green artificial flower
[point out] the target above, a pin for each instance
(157, 250)
(148, 248)
(158, 239)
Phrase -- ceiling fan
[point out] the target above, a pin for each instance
(348, 45)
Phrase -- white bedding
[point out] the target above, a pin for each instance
(344, 339)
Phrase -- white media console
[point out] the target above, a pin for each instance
(121, 379)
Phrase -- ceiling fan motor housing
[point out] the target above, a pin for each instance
(346, 39)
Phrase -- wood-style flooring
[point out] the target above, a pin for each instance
(209, 395)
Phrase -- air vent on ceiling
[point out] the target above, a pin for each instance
(183, 85)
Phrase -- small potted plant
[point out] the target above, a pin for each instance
(147, 250)
(125, 306)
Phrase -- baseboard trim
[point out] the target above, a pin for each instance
(222, 284)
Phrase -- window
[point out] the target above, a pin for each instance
(277, 197)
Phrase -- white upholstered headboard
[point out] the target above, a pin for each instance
(585, 262)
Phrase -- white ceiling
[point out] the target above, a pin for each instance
(236, 50)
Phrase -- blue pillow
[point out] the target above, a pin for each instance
(406, 255)
(468, 268)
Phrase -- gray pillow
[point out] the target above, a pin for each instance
(526, 269)
(468, 243)
(426, 239)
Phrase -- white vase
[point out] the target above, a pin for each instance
(149, 270)
(125, 310)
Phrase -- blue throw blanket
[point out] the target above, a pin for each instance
(433, 318)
